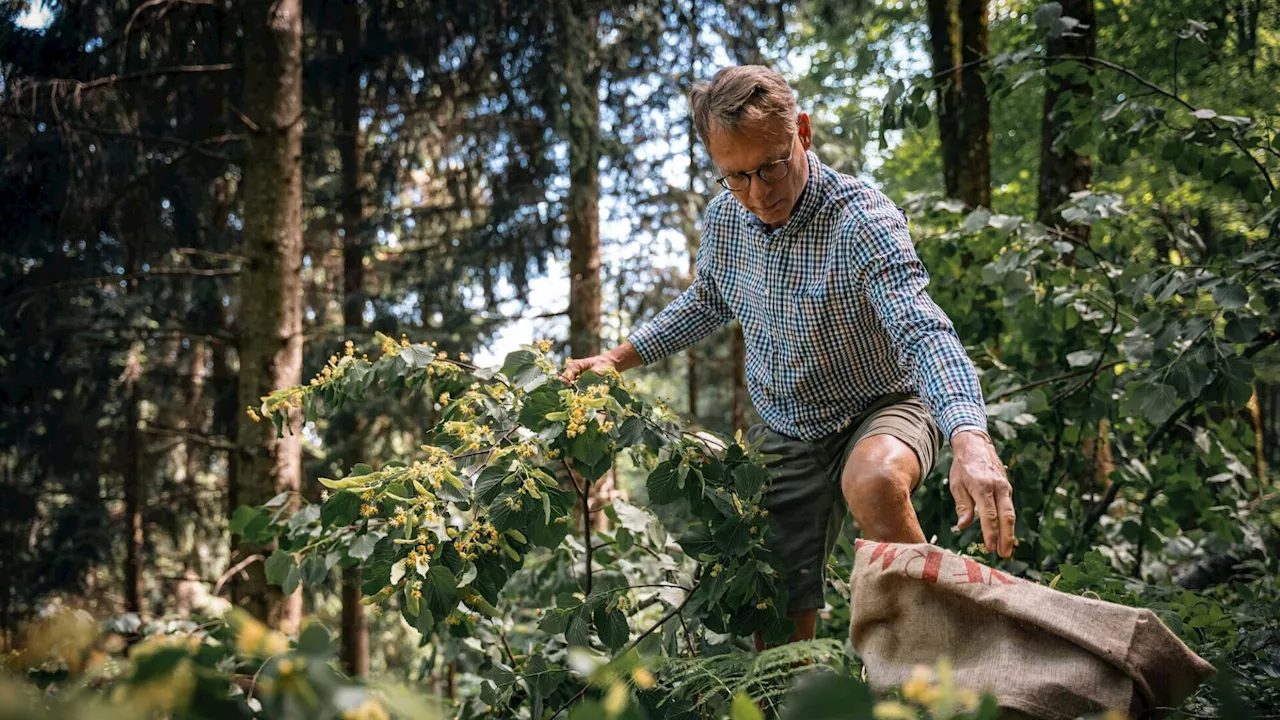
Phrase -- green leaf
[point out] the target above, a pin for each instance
(517, 363)
(536, 405)
(418, 355)
(1231, 296)
(589, 446)
(612, 627)
(576, 634)
(439, 591)
(1083, 358)
(362, 546)
(315, 640)
(828, 696)
(306, 515)
(732, 536)
(278, 567)
(1241, 328)
(749, 480)
(341, 509)
(1159, 402)
(489, 482)
(242, 517)
(663, 483)
(630, 516)
(314, 570)
(697, 541)
(503, 513)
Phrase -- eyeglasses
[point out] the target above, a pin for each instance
(770, 172)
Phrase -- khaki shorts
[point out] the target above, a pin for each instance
(805, 501)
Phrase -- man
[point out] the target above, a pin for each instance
(856, 372)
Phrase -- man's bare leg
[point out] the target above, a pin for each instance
(877, 482)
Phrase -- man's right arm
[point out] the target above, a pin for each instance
(689, 318)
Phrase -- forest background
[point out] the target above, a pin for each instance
(202, 201)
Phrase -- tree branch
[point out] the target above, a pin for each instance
(153, 272)
(217, 443)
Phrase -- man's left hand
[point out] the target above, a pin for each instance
(978, 482)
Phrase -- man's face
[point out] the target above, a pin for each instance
(755, 145)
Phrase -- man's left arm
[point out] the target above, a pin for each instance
(894, 281)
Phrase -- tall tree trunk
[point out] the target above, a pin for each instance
(1259, 438)
(944, 42)
(739, 379)
(584, 201)
(580, 31)
(1062, 170)
(134, 491)
(691, 221)
(975, 114)
(354, 652)
(270, 311)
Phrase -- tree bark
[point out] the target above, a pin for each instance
(579, 30)
(944, 41)
(739, 379)
(584, 192)
(1259, 438)
(1062, 170)
(134, 499)
(691, 229)
(270, 312)
(354, 651)
(975, 120)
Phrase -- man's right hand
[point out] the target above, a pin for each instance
(622, 358)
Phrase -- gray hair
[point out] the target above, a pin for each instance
(740, 95)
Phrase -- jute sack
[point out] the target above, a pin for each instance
(1039, 651)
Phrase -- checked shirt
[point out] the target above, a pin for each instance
(833, 309)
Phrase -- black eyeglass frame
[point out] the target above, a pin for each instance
(785, 163)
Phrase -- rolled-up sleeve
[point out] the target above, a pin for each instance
(894, 280)
(689, 318)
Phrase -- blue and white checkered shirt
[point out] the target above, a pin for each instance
(833, 310)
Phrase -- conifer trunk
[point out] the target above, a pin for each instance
(270, 311)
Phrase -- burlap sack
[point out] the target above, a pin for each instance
(1041, 652)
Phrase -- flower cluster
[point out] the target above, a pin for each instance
(479, 537)
(473, 436)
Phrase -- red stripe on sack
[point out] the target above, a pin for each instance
(932, 565)
(972, 573)
(888, 553)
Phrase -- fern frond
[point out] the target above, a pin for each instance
(765, 677)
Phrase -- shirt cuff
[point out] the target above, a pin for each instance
(647, 344)
(968, 415)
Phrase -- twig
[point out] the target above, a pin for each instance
(217, 587)
(510, 655)
(1046, 381)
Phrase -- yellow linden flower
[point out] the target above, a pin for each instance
(544, 345)
(616, 700)
(252, 415)
(643, 678)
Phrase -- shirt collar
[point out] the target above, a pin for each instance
(811, 199)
